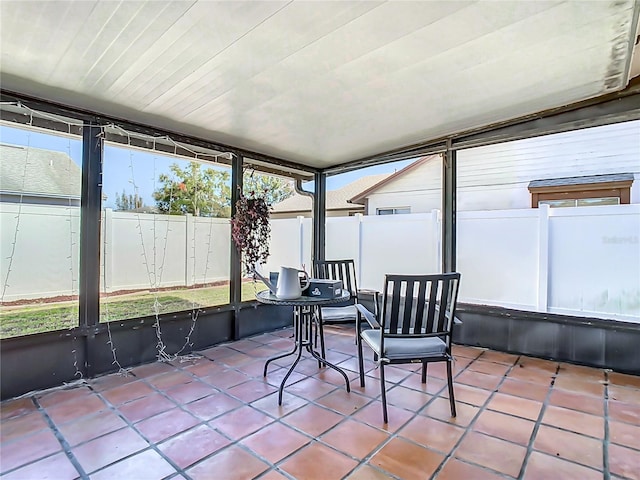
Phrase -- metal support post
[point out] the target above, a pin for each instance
(235, 274)
(91, 197)
(449, 209)
(319, 216)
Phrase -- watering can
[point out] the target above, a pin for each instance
(288, 287)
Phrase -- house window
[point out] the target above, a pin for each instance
(585, 191)
(393, 211)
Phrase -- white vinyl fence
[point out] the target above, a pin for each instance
(581, 261)
(147, 251)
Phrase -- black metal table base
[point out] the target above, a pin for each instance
(304, 319)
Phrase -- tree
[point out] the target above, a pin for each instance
(129, 201)
(272, 189)
(196, 189)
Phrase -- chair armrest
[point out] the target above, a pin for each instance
(368, 316)
(370, 299)
(368, 291)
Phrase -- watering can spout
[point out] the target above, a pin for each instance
(289, 285)
(271, 286)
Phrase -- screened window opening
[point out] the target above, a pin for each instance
(40, 184)
(165, 231)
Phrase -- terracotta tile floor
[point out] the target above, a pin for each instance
(214, 416)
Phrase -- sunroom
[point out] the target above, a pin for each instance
(130, 130)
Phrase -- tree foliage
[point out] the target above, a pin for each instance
(129, 201)
(196, 189)
(272, 189)
(206, 192)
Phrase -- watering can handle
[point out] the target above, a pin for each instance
(306, 279)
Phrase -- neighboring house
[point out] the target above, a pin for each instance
(37, 176)
(595, 166)
(337, 200)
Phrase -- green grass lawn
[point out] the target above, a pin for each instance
(45, 317)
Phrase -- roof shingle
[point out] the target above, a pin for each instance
(336, 199)
(35, 171)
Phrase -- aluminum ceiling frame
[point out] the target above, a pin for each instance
(38, 105)
(617, 107)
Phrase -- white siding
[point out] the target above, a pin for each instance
(420, 189)
(497, 176)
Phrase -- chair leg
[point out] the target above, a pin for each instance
(384, 394)
(322, 347)
(360, 360)
(424, 372)
(452, 400)
(322, 350)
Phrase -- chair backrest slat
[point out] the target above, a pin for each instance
(394, 307)
(408, 319)
(443, 301)
(433, 293)
(343, 270)
(420, 307)
(419, 304)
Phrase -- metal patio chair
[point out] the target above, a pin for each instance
(345, 270)
(415, 326)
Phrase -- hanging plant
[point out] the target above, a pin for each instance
(251, 231)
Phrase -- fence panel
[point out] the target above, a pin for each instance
(45, 260)
(147, 250)
(498, 257)
(595, 261)
(343, 239)
(398, 244)
(211, 250)
(286, 247)
(579, 261)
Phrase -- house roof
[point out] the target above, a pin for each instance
(360, 197)
(317, 83)
(35, 171)
(584, 180)
(336, 199)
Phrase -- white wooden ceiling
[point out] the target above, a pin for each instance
(318, 83)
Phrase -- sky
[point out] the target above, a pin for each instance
(132, 170)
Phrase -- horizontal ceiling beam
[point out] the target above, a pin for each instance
(611, 108)
(613, 111)
(70, 114)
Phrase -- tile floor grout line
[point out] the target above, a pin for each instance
(538, 422)
(395, 434)
(238, 442)
(312, 439)
(181, 406)
(469, 427)
(66, 448)
(274, 418)
(217, 390)
(276, 465)
(347, 417)
(552, 388)
(152, 445)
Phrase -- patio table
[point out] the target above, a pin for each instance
(306, 312)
